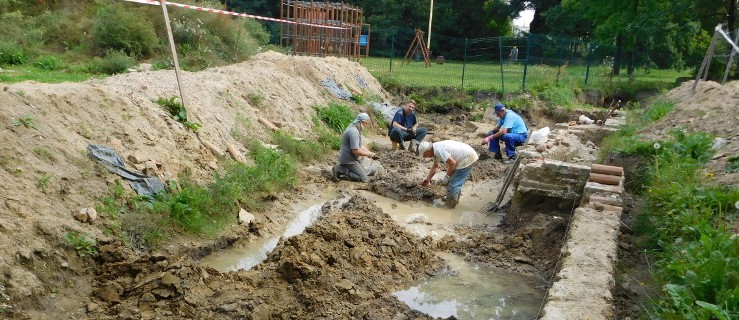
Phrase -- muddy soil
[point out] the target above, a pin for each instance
(344, 266)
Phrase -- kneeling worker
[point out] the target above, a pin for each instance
(459, 157)
(349, 166)
(404, 127)
(511, 129)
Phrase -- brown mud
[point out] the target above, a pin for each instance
(346, 265)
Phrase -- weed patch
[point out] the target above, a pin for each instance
(303, 150)
(83, 244)
(689, 225)
(25, 121)
(335, 116)
(658, 110)
(43, 183)
(206, 209)
(255, 100)
(178, 112)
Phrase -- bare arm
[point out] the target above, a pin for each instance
(451, 165)
(500, 132)
(432, 172)
(363, 152)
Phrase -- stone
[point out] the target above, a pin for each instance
(81, 216)
(115, 142)
(718, 143)
(92, 214)
(148, 297)
(245, 217)
(109, 293)
(138, 157)
(169, 279)
(213, 165)
(92, 307)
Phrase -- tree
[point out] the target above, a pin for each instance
(540, 8)
(638, 26)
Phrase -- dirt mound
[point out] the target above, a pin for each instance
(344, 266)
(712, 109)
(46, 129)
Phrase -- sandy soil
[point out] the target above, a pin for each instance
(344, 266)
(713, 108)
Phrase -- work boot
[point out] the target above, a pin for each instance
(335, 174)
(401, 145)
(452, 200)
(498, 156)
(510, 159)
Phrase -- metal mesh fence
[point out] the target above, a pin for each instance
(503, 63)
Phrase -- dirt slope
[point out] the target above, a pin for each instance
(713, 108)
(47, 176)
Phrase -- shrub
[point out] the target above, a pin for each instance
(162, 63)
(114, 62)
(49, 63)
(327, 138)
(559, 96)
(12, 54)
(302, 150)
(125, 29)
(658, 110)
(335, 116)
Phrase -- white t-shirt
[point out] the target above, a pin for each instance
(459, 151)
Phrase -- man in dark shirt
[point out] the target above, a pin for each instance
(404, 127)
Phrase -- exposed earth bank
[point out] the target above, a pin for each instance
(346, 265)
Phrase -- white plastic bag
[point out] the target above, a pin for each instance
(583, 119)
(540, 136)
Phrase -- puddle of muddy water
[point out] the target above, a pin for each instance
(232, 259)
(437, 220)
(470, 291)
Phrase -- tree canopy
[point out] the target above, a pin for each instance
(660, 33)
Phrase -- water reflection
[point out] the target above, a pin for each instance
(233, 259)
(470, 291)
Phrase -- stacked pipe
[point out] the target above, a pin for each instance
(604, 186)
(604, 174)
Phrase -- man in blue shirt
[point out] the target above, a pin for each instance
(404, 127)
(510, 129)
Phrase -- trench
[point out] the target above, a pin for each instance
(462, 289)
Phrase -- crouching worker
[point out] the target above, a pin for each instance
(459, 157)
(404, 127)
(510, 129)
(349, 166)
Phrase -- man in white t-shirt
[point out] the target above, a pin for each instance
(459, 157)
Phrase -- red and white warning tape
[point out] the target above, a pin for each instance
(187, 6)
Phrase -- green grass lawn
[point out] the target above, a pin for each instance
(487, 75)
(13, 74)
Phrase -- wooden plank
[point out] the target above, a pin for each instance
(268, 124)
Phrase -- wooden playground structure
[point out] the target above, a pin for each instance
(323, 29)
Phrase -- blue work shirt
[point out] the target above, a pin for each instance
(513, 122)
(404, 120)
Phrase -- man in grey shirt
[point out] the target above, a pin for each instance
(349, 166)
